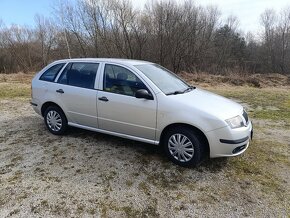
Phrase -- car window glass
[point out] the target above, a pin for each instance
(120, 80)
(166, 81)
(80, 75)
(50, 74)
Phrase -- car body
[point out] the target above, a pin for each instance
(137, 100)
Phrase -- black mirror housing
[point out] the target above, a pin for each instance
(143, 93)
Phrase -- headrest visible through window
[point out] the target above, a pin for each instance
(122, 76)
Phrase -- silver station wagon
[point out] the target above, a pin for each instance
(141, 101)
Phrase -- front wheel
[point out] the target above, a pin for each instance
(55, 120)
(183, 146)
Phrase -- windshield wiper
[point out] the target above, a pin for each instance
(181, 92)
(175, 93)
(189, 89)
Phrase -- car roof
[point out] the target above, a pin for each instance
(109, 60)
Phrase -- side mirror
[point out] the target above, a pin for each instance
(143, 93)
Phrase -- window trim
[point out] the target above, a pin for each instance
(56, 75)
(80, 62)
(101, 83)
(62, 72)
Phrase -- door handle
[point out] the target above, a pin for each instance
(103, 98)
(60, 91)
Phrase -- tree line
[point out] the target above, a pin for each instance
(180, 36)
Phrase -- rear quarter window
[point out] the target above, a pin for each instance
(50, 74)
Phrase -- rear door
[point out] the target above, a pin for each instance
(75, 88)
(119, 110)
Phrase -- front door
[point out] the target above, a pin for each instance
(119, 110)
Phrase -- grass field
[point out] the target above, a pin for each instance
(90, 174)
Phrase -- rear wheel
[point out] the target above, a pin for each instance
(183, 146)
(55, 120)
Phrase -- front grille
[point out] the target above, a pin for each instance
(245, 115)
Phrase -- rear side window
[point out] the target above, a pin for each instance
(80, 75)
(50, 74)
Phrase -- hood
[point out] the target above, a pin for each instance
(209, 103)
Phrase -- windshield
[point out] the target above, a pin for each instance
(165, 80)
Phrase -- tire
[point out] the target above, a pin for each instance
(186, 156)
(55, 120)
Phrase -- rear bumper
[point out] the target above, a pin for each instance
(227, 142)
(36, 106)
(33, 104)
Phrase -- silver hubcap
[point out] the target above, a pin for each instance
(180, 147)
(54, 121)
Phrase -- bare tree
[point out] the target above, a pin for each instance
(46, 33)
(268, 20)
(179, 35)
(232, 22)
(283, 32)
(61, 10)
(18, 41)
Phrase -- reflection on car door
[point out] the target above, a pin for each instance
(118, 108)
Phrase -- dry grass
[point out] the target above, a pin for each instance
(10, 90)
(15, 85)
(234, 79)
(263, 103)
(24, 78)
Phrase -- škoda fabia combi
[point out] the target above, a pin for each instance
(141, 101)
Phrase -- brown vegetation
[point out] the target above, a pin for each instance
(236, 79)
(201, 79)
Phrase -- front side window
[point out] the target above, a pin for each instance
(80, 75)
(165, 80)
(120, 80)
(50, 74)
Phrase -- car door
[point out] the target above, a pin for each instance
(75, 88)
(119, 110)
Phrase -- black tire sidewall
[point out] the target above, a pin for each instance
(63, 118)
(193, 137)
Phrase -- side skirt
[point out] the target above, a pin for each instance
(114, 133)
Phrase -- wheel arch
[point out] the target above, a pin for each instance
(195, 129)
(48, 104)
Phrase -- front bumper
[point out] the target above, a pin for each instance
(227, 142)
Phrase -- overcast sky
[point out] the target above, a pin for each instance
(248, 11)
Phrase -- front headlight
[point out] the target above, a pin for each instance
(235, 122)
